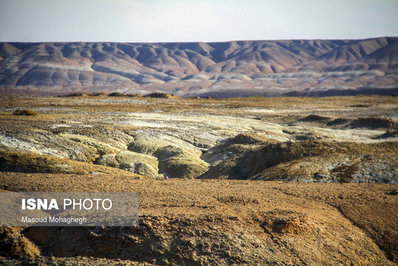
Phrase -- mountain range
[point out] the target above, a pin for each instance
(223, 69)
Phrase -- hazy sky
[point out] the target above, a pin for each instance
(195, 20)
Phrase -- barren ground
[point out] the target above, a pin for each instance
(339, 154)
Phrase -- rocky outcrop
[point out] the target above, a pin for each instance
(34, 163)
(131, 161)
(14, 244)
(176, 158)
(225, 139)
(308, 161)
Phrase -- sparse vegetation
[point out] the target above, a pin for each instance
(26, 112)
(159, 95)
(74, 94)
(116, 94)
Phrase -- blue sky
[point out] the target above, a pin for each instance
(199, 20)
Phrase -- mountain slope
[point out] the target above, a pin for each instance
(189, 69)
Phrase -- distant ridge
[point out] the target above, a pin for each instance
(225, 69)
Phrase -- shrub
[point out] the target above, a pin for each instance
(159, 95)
(74, 94)
(116, 94)
(25, 112)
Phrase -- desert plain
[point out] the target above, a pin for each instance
(285, 180)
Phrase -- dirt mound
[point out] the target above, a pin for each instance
(373, 123)
(315, 118)
(177, 159)
(339, 122)
(175, 167)
(176, 162)
(246, 138)
(248, 162)
(14, 244)
(34, 163)
(116, 94)
(138, 163)
(313, 161)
